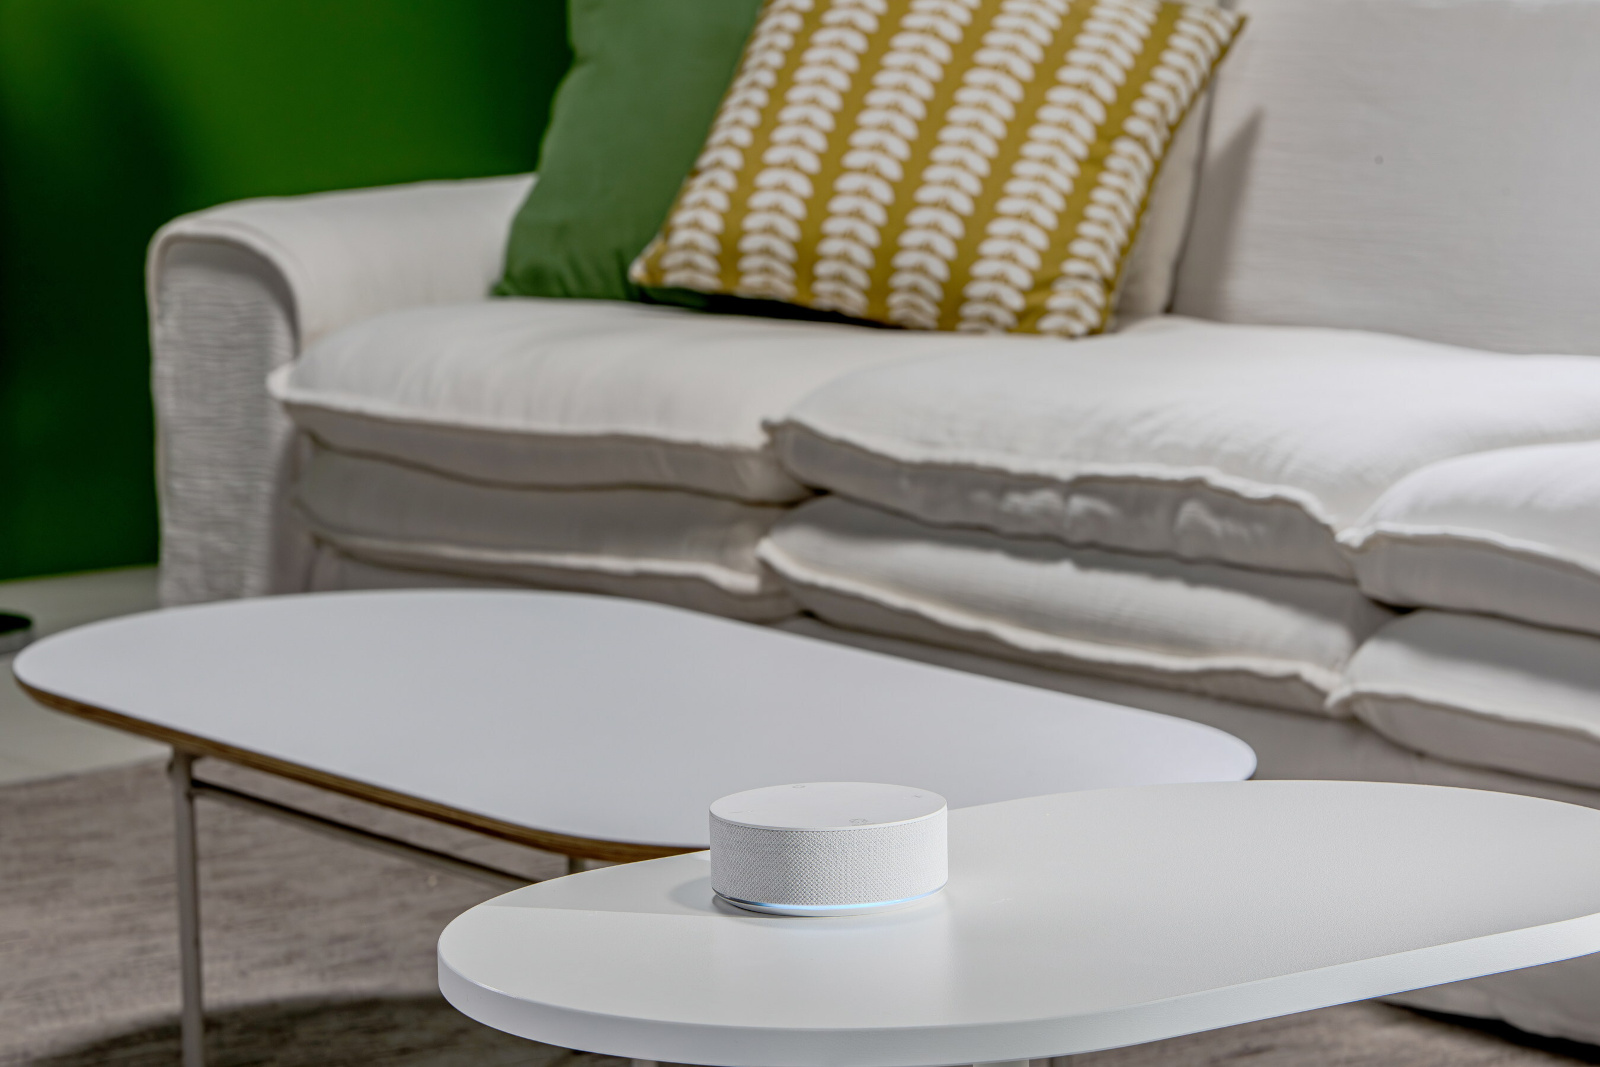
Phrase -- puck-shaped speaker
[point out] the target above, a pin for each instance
(828, 848)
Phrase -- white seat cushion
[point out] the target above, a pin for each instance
(688, 549)
(1482, 691)
(1421, 167)
(576, 392)
(1273, 639)
(1253, 445)
(1512, 532)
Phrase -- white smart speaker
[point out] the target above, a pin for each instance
(828, 848)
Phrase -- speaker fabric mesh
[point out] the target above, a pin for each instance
(829, 867)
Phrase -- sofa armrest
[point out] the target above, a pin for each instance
(238, 290)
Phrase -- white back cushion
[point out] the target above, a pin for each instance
(1423, 167)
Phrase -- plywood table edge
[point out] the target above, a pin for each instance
(586, 848)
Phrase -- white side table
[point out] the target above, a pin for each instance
(1071, 923)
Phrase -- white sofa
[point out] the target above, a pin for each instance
(1341, 499)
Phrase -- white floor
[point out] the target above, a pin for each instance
(34, 741)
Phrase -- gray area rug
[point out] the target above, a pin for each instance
(319, 953)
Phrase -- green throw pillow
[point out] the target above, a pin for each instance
(625, 127)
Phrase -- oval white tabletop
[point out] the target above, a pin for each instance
(596, 719)
(1070, 923)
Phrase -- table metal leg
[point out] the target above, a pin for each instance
(193, 1020)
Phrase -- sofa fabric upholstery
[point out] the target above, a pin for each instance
(696, 551)
(222, 316)
(1513, 532)
(1483, 691)
(237, 291)
(1252, 445)
(1249, 635)
(566, 393)
(1412, 166)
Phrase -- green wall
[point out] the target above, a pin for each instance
(116, 115)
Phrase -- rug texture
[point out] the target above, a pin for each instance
(321, 953)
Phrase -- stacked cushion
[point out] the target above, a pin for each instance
(1508, 532)
(1482, 691)
(1513, 532)
(584, 444)
(1190, 504)
(1249, 445)
(1264, 638)
(661, 544)
(651, 73)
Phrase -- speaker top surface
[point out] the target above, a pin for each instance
(827, 806)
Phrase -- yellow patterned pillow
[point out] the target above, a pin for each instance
(939, 164)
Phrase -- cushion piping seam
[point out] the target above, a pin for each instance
(1358, 539)
(725, 578)
(414, 467)
(1067, 472)
(341, 404)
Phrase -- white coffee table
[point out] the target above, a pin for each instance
(1071, 923)
(595, 727)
